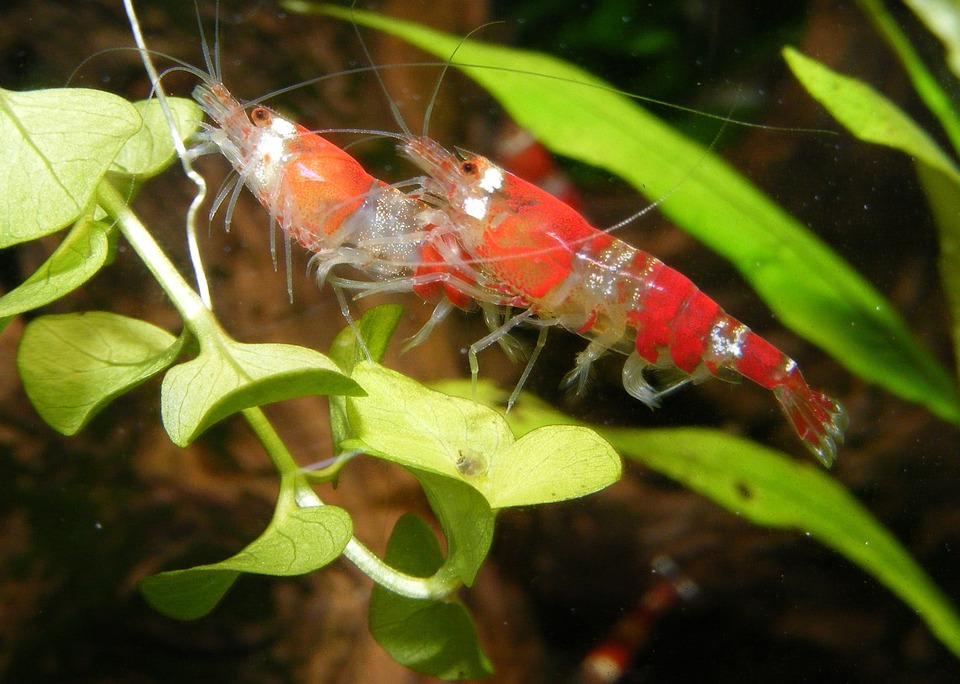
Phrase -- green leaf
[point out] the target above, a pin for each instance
(943, 195)
(934, 96)
(81, 254)
(228, 376)
(866, 113)
(297, 541)
(376, 327)
(769, 489)
(431, 637)
(73, 365)
(466, 518)
(811, 289)
(766, 488)
(56, 145)
(942, 19)
(404, 422)
(873, 118)
(151, 150)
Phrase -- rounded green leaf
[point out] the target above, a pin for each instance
(376, 327)
(297, 541)
(466, 518)
(432, 637)
(228, 377)
(56, 145)
(150, 151)
(404, 422)
(552, 463)
(73, 365)
(81, 254)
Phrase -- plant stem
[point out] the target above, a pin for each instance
(433, 588)
(196, 316)
(268, 436)
(204, 326)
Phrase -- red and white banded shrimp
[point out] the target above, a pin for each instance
(560, 270)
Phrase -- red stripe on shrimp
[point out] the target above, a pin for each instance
(666, 292)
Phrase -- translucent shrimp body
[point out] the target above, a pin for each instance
(316, 192)
(551, 262)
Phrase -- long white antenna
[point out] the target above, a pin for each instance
(192, 242)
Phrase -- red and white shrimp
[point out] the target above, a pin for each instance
(551, 263)
(318, 194)
(609, 660)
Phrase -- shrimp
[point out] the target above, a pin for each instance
(318, 194)
(609, 660)
(560, 270)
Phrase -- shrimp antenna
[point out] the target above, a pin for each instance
(397, 116)
(660, 200)
(208, 60)
(193, 243)
(443, 72)
(218, 74)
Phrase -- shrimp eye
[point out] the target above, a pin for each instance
(260, 117)
(468, 168)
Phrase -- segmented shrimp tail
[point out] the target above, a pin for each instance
(818, 419)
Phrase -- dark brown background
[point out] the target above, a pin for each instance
(84, 518)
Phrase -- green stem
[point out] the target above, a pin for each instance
(930, 91)
(433, 588)
(268, 436)
(197, 317)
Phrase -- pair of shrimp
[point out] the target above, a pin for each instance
(470, 233)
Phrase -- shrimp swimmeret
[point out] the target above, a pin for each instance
(550, 262)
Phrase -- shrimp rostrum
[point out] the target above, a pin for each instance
(559, 270)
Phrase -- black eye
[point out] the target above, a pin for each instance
(261, 117)
(468, 167)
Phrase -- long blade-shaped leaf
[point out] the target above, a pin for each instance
(811, 289)
(942, 18)
(930, 91)
(766, 488)
(873, 118)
